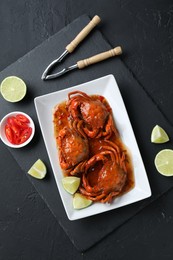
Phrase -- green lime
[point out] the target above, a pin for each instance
(71, 184)
(159, 135)
(80, 201)
(38, 170)
(164, 162)
(13, 89)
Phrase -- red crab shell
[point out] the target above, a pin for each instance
(73, 148)
(105, 175)
(90, 116)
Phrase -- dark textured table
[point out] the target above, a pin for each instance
(144, 29)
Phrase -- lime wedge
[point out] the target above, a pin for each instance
(164, 162)
(71, 184)
(38, 170)
(13, 89)
(80, 201)
(159, 135)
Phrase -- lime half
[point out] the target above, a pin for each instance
(80, 201)
(164, 162)
(38, 170)
(71, 184)
(159, 135)
(13, 89)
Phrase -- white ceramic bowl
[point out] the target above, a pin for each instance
(107, 87)
(2, 130)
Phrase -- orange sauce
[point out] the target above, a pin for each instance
(60, 120)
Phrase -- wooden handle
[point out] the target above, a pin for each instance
(86, 30)
(99, 57)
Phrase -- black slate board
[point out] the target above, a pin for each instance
(143, 113)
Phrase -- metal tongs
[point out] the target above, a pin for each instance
(82, 63)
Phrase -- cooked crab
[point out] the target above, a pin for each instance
(105, 175)
(90, 116)
(73, 148)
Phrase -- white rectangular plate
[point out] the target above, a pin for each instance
(107, 87)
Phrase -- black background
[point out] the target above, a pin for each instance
(144, 29)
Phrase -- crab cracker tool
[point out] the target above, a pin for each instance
(86, 62)
(71, 46)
